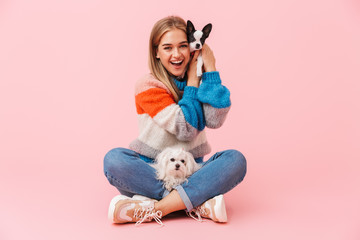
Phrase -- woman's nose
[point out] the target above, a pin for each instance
(176, 52)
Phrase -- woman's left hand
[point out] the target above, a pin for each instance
(208, 58)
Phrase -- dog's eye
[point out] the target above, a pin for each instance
(182, 160)
(172, 159)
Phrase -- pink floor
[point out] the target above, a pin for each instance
(67, 73)
(269, 204)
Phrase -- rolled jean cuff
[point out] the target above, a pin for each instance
(166, 192)
(184, 197)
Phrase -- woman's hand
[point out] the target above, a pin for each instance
(193, 79)
(208, 58)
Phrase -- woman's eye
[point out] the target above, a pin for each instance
(167, 48)
(183, 46)
(172, 159)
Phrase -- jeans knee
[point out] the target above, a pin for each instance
(238, 163)
(113, 160)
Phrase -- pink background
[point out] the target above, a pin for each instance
(67, 74)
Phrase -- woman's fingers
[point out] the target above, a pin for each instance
(196, 54)
(209, 58)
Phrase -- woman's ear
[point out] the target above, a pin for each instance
(157, 54)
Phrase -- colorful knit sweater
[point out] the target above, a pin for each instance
(164, 123)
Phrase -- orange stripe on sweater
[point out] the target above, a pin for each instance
(152, 101)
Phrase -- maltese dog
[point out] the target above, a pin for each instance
(174, 166)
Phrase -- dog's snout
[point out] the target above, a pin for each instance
(197, 46)
(177, 165)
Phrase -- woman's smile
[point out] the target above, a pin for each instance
(177, 63)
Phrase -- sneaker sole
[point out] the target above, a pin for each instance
(113, 204)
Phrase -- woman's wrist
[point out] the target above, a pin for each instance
(211, 68)
(193, 83)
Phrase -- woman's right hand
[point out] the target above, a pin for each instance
(193, 79)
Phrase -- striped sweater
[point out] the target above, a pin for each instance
(165, 123)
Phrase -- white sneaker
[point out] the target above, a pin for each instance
(138, 209)
(213, 208)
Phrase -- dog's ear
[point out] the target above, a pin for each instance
(190, 27)
(206, 30)
(161, 162)
(191, 165)
(161, 155)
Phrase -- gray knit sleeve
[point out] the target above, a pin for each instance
(214, 117)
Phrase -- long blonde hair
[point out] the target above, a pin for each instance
(157, 69)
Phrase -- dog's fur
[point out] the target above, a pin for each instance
(173, 166)
(196, 39)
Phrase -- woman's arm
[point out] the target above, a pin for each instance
(214, 96)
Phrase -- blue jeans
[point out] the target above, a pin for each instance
(132, 176)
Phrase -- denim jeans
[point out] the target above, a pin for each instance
(132, 176)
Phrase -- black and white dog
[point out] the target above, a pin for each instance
(196, 39)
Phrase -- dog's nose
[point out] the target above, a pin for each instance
(177, 165)
(197, 46)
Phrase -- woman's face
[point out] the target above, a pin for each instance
(174, 52)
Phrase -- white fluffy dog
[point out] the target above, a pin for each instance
(174, 166)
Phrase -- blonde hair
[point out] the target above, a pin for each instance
(157, 69)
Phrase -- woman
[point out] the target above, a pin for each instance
(173, 110)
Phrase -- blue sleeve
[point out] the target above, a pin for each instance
(212, 92)
(192, 108)
(215, 99)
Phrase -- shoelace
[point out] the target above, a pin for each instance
(147, 214)
(198, 211)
